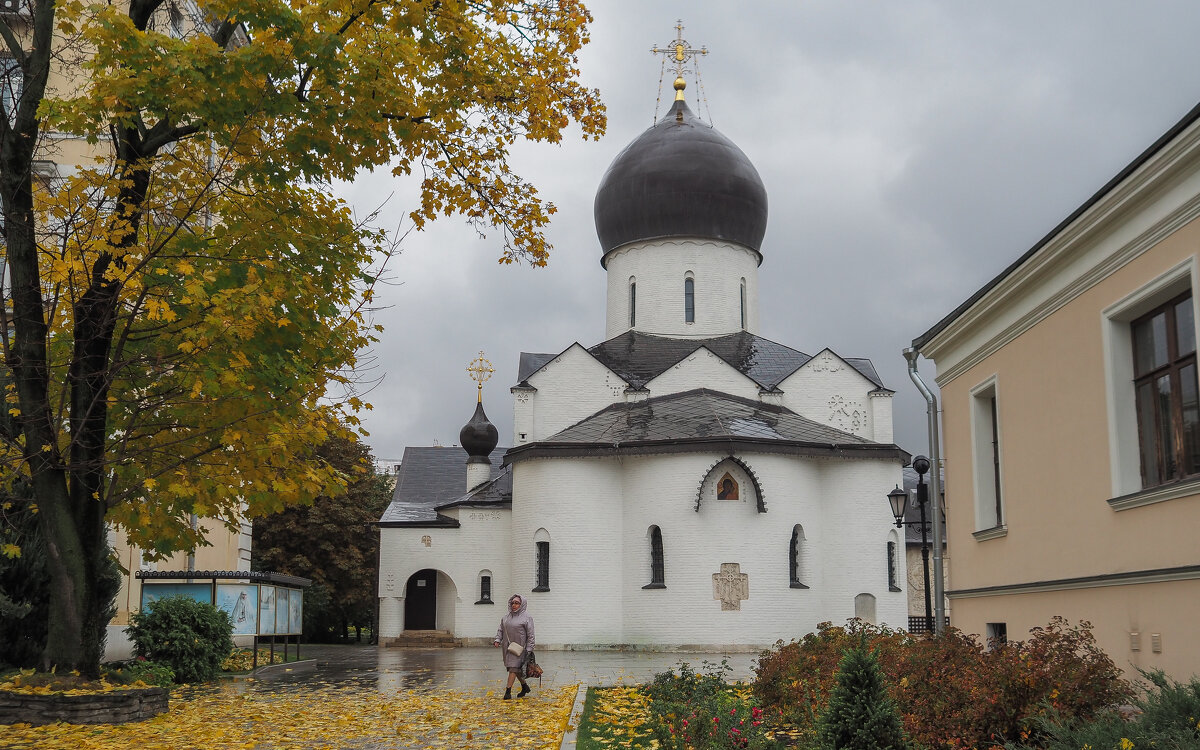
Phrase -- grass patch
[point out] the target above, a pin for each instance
(614, 717)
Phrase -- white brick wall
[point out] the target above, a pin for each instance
(829, 391)
(659, 267)
(572, 386)
(703, 369)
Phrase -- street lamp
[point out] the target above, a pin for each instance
(898, 499)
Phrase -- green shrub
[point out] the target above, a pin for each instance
(192, 637)
(951, 693)
(702, 710)
(860, 715)
(1167, 717)
(149, 672)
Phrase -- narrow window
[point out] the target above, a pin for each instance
(657, 567)
(795, 554)
(689, 300)
(891, 563)
(1164, 381)
(632, 303)
(11, 82)
(485, 588)
(985, 429)
(743, 304)
(543, 567)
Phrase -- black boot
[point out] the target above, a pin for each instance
(524, 689)
(508, 694)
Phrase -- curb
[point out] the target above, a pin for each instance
(571, 733)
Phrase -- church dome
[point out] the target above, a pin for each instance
(681, 178)
(479, 436)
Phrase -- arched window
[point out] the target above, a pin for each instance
(657, 567)
(632, 303)
(796, 558)
(743, 304)
(542, 542)
(891, 563)
(689, 300)
(485, 587)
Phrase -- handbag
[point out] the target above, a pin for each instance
(516, 649)
(532, 669)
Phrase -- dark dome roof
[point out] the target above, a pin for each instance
(681, 178)
(479, 436)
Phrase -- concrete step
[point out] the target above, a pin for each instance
(423, 639)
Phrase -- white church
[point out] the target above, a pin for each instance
(684, 484)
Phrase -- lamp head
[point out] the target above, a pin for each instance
(898, 498)
(920, 464)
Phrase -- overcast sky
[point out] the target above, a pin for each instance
(910, 151)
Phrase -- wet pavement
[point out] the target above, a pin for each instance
(390, 670)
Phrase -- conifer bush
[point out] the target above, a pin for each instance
(191, 637)
(860, 715)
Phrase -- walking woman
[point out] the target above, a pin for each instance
(515, 637)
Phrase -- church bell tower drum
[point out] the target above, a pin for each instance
(681, 214)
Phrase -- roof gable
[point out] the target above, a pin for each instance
(431, 477)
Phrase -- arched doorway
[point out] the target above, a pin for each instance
(420, 600)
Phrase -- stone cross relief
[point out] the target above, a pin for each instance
(731, 586)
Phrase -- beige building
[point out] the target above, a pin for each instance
(1072, 423)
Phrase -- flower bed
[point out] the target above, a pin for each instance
(77, 707)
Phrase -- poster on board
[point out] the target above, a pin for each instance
(201, 592)
(266, 610)
(240, 602)
(282, 608)
(296, 605)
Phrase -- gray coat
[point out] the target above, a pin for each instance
(515, 627)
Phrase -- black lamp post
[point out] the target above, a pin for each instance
(898, 499)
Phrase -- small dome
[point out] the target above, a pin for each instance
(681, 178)
(479, 436)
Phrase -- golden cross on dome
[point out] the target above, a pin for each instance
(679, 52)
(480, 370)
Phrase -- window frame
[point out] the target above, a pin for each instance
(689, 298)
(485, 588)
(987, 453)
(893, 566)
(795, 554)
(1124, 452)
(658, 568)
(11, 87)
(632, 302)
(542, 566)
(1173, 370)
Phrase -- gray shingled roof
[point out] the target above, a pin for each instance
(683, 419)
(432, 478)
(640, 357)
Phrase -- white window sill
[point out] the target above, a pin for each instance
(993, 533)
(1158, 494)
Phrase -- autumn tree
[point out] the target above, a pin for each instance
(333, 541)
(183, 302)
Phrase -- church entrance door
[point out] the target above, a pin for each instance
(420, 601)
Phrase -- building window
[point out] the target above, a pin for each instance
(743, 304)
(689, 300)
(485, 587)
(997, 634)
(658, 578)
(11, 83)
(985, 427)
(632, 303)
(892, 567)
(796, 558)
(543, 567)
(1164, 381)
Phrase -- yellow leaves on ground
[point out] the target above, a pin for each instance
(321, 716)
(619, 718)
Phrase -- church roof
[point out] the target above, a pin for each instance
(683, 421)
(681, 178)
(639, 358)
(432, 478)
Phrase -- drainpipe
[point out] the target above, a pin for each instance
(935, 491)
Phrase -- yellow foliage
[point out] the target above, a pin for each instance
(320, 716)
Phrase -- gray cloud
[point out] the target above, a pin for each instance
(911, 151)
